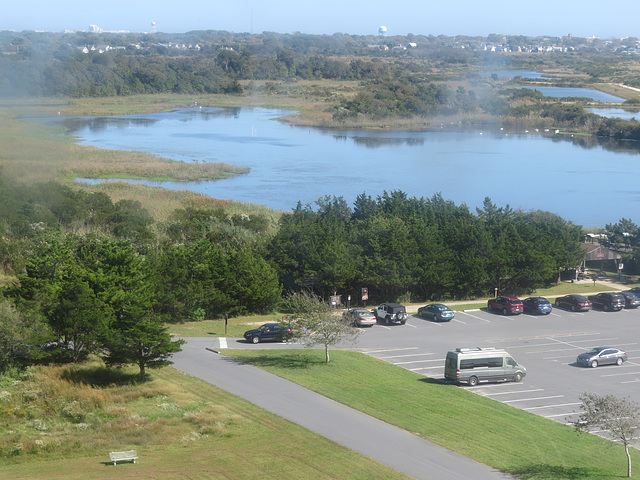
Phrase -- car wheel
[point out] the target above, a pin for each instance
(255, 339)
(387, 320)
(573, 308)
(402, 322)
(489, 307)
(473, 381)
(504, 311)
(517, 377)
(619, 362)
(594, 364)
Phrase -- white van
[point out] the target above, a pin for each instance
(473, 365)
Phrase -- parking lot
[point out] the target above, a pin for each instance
(546, 345)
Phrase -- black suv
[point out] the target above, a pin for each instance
(391, 313)
(269, 331)
(608, 301)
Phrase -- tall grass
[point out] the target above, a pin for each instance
(60, 422)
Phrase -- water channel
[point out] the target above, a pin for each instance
(576, 177)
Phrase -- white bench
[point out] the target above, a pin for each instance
(122, 456)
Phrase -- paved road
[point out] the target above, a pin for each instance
(378, 440)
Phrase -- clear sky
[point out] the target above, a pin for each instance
(584, 18)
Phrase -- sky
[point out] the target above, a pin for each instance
(581, 18)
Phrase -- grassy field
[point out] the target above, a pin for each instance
(62, 422)
(504, 437)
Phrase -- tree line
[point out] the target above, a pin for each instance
(88, 275)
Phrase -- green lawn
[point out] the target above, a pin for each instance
(506, 438)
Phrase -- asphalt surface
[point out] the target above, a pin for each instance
(392, 446)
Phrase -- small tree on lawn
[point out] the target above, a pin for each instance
(316, 322)
(618, 416)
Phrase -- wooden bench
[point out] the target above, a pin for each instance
(122, 456)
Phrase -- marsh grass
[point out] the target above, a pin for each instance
(33, 152)
(61, 422)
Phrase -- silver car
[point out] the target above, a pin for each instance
(360, 317)
(602, 356)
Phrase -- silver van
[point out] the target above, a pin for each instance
(473, 365)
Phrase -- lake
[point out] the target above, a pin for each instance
(576, 177)
(620, 113)
(577, 92)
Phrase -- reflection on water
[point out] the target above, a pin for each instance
(376, 142)
(583, 179)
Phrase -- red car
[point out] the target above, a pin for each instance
(506, 305)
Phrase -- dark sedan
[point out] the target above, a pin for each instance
(602, 356)
(537, 305)
(268, 331)
(437, 312)
(574, 302)
(631, 299)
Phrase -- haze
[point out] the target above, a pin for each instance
(583, 18)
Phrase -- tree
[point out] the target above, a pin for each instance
(22, 336)
(146, 343)
(317, 323)
(620, 417)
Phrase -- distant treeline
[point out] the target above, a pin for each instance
(422, 81)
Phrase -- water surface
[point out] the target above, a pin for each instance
(576, 177)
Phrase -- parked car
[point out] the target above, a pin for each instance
(506, 305)
(574, 302)
(602, 356)
(360, 317)
(437, 312)
(635, 290)
(268, 331)
(608, 301)
(631, 299)
(538, 305)
(391, 313)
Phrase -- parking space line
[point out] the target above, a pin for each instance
(425, 368)
(408, 355)
(369, 352)
(513, 393)
(541, 337)
(223, 342)
(476, 317)
(532, 399)
(625, 373)
(554, 406)
(415, 361)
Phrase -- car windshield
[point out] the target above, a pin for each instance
(594, 351)
(579, 298)
(514, 301)
(442, 308)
